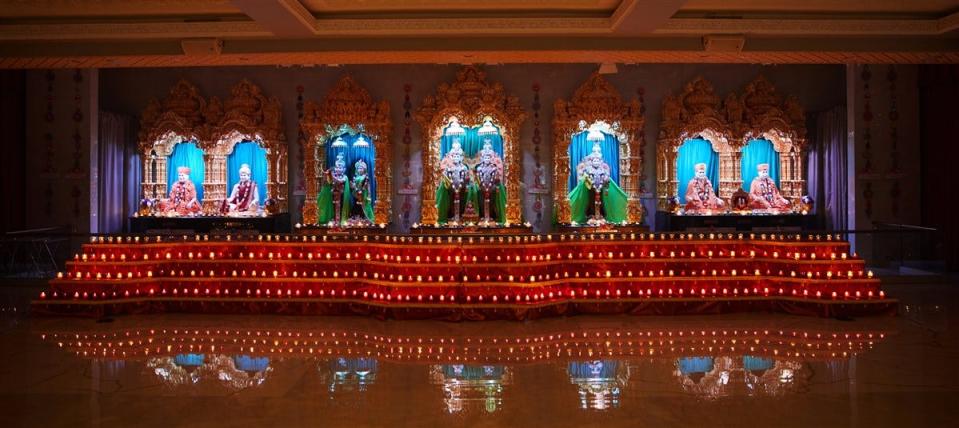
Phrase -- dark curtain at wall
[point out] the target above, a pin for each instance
(827, 166)
(13, 173)
(938, 130)
(119, 164)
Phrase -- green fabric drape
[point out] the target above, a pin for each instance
(613, 197)
(367, 202)
(498, 203)
(324, 203)
(444, 200)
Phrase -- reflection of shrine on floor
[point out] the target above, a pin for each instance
(350, 373)
(600, 382)
(467, 387)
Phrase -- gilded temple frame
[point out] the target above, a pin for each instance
(697, 112)
(247, 114)
(596, 100)
(768, 115)
(348, 104)
(163, 125)
(471, 99)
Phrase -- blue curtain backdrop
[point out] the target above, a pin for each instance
(579, 148)
(188, 360)
(189, 155)
(756, 363)
(472, 142)
(689, 365)
(601, 369)
(250, 153)
(755, 153)
(693, 151)
(352, 154)
(251, 364)
(474, 372)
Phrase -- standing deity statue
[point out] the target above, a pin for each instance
(245, 197)
(596, 199)
(182, 200)
(333, 199)
(700, 196)
(489, 175)
(763, 193)
(456, 193)
(361, 200)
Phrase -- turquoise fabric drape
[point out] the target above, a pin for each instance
(579, 148)
(250, 153)
(472, 142)
(251, 364)
(352, 154)
(756, 363)
(689, 365)
(188, 360)
(189, 155)
(468, 371)
(757, 152)
(693, 151)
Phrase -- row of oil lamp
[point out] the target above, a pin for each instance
(708, 254)
(345, 335)
(449, 296)
(505, 355)
(498, 238)
(719, 274)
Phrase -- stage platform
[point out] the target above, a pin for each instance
(279, 223)
(467, 277)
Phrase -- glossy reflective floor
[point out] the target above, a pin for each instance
(737, 370)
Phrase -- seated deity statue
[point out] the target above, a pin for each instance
(492, 192)
(700, 196)
(333, 206)
(182, 200)
(244, 199)
(456, 193)
(763, 194)
(361, 200)
(596, 199)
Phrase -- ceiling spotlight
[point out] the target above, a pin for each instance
(608, 68)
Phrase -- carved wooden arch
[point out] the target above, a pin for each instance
(767, 115)
(349, 104)
(164, 125)
(697, 111)
(247, 114)
(594, 101)
(470, 99)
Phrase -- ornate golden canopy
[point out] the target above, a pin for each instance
(697, 112)
(247, 115)
(759, 113)
(216, 127)
(162, 126)
(470, 99)
(781, 121)
(348, 104)
(598, 101)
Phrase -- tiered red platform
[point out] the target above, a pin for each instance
(468, 277)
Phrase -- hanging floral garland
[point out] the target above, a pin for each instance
(894, 192)
(539, 173)
(407, 188)
(867, 138)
